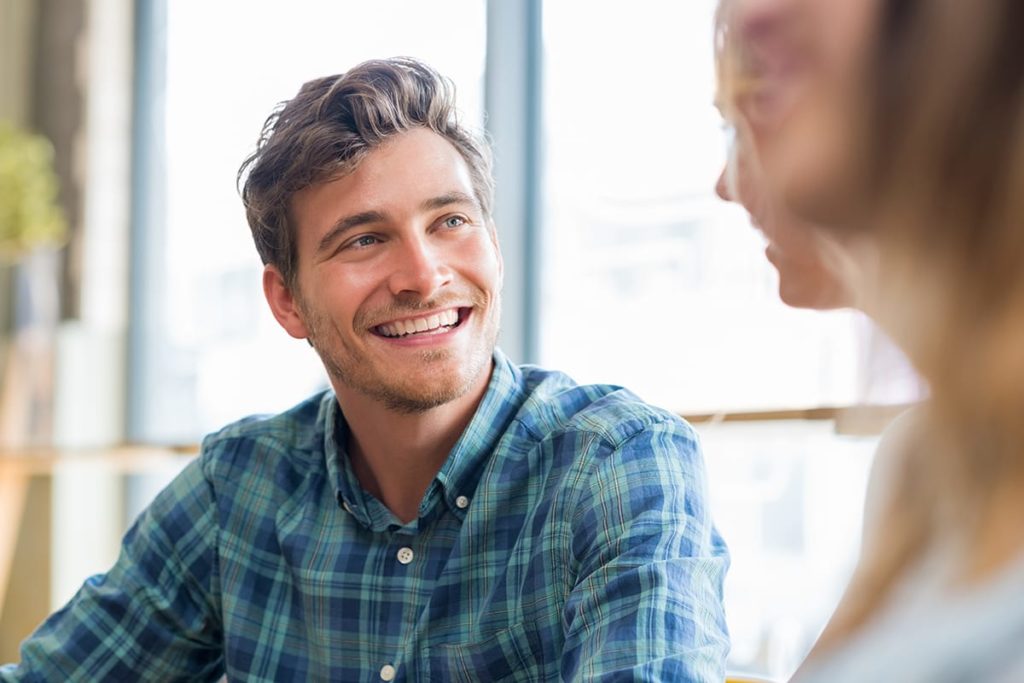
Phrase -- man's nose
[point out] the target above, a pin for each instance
(722, 186)
(421, 269)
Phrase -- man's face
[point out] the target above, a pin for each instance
(399, 276)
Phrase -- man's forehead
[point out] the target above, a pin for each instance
(408, 170)
(422, 157)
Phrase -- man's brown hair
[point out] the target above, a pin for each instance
(330, 126)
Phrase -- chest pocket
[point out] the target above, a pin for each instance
(510, 655)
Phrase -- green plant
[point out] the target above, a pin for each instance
(29, 213)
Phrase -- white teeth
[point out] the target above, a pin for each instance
(433, 324)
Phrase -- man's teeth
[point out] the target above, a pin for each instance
(431, 324)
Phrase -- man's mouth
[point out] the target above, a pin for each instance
(434, 323)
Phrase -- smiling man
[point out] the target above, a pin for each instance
(440, 514)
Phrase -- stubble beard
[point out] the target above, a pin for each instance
(404, 396)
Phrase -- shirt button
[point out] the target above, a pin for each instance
(462, 502)
(347, 507)
(387, 673)
(405, 556)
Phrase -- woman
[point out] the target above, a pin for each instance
(896, 128)
(813, 269)
(809, 264)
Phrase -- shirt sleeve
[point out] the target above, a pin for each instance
(647, 604)
(154, 615)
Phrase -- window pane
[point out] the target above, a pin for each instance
(788, 498)
(648, 279)
(228, 64)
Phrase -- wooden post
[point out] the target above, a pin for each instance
(23, 609)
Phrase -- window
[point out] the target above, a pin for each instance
(652, 282)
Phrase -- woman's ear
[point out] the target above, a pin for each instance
(283, 303)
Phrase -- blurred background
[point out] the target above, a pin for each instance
(132, 320)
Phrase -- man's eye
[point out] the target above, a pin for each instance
(454, 221)
(363, 241)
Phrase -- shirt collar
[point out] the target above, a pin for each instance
(460, 472)
(335, 436)
(469, 457)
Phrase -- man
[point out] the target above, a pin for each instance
(442, 514)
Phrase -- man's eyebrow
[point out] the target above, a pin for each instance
(345, 224)
(448, 199)
(366, 217)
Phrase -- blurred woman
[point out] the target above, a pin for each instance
(810, 265)
(814, 271)
(895, 130)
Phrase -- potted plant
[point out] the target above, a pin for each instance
(29, 213)
(30, 218)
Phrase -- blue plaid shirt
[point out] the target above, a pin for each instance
(567, 536)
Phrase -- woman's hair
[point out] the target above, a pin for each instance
(944, 186)
(330, 126)
(945, 163)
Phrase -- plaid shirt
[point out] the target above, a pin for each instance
(567, 535)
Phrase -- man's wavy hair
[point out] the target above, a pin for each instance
(330, 126)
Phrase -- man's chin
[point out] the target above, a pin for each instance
(411, 383)
(443, 384)
(421, 399)
(405, 404)
(408, 393)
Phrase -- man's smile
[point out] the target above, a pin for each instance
(439, 322)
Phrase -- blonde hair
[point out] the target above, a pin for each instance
(946, 165)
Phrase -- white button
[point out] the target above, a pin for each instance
(348, 508)
(387, 673)
(405, 556)
(462, 502)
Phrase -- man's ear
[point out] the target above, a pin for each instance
(282, 303)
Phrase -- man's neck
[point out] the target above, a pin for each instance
(396, 455)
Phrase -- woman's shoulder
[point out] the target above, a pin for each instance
(936, 634)
(888, 468)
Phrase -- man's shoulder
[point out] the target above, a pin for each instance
(296, 435)
(604, 440)
(556, 405)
